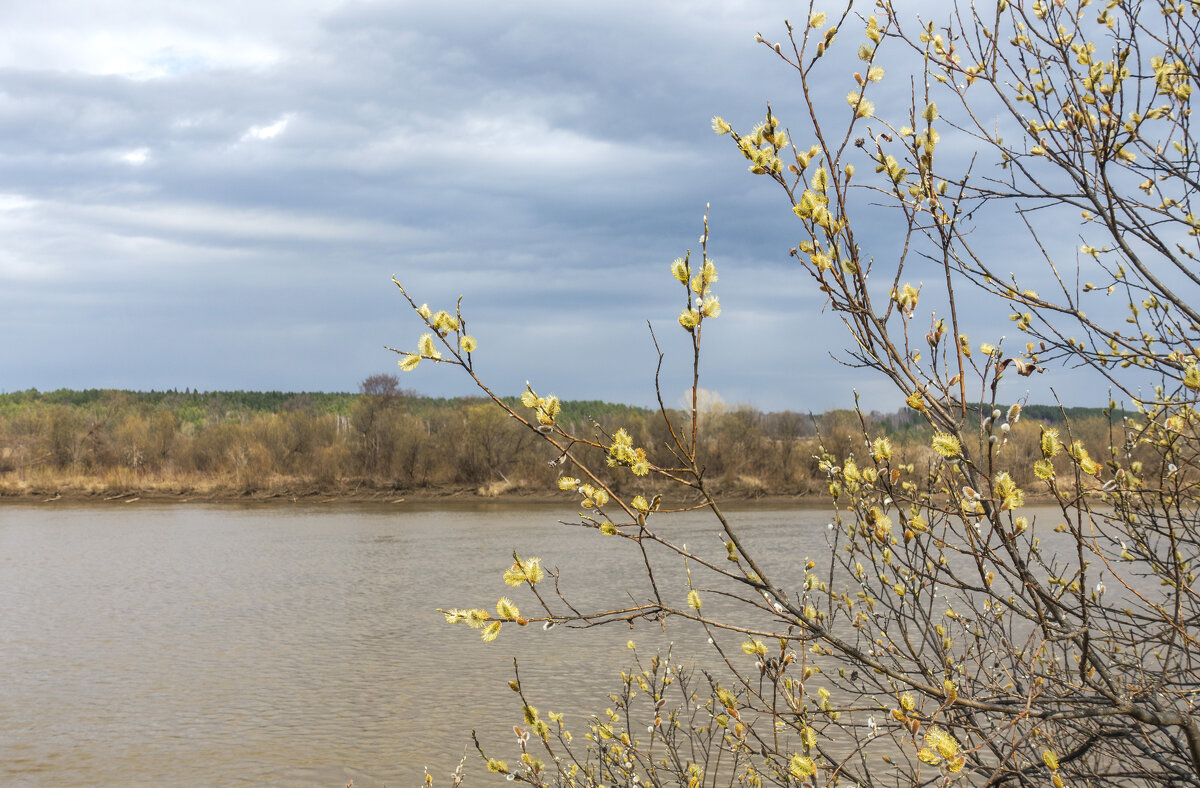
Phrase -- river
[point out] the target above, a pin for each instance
(181, 645)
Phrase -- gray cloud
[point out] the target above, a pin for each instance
(217, 196)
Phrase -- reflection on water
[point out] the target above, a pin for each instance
(162, 646)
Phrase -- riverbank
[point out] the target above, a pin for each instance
(390, 446)
(97, 491)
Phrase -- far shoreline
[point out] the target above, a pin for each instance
(432, 496)
(450, 496)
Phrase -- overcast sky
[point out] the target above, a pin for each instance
(215, 195)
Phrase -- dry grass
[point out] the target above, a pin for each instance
(496, 489)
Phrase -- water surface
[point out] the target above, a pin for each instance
(223, 646)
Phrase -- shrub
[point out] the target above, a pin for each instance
(948, 636)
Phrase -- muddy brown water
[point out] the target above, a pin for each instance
(205, 645)
(168, 645)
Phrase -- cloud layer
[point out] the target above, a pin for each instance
(217, 195)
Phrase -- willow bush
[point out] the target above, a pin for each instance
(948, 635)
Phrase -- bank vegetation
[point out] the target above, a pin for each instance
(385, 442)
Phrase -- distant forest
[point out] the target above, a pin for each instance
(387, 442)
